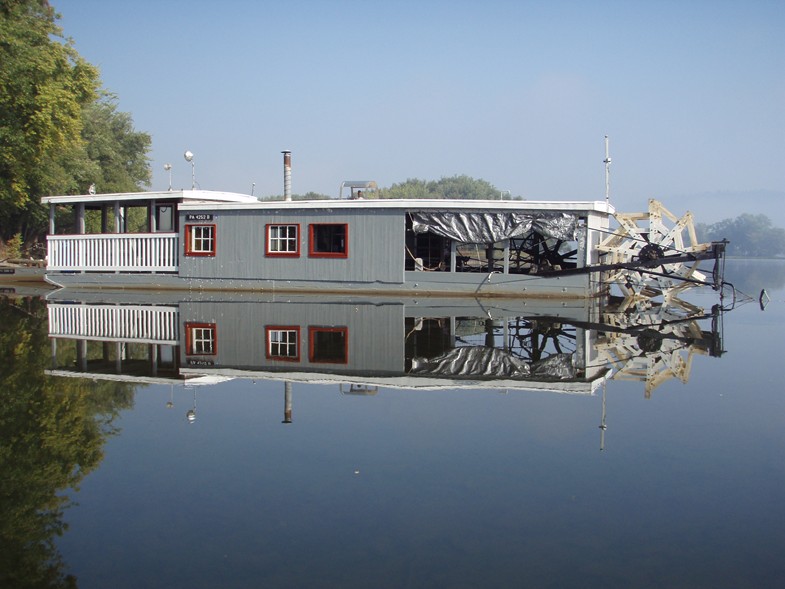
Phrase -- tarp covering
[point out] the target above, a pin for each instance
(480, 227)
(558, 367)
(483, 362)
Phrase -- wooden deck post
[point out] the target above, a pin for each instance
(80, 225)
(117, 216)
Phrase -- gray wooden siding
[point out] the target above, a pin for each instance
(375, 244)
(375, 334)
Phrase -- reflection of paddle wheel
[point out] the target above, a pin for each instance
(659, 253)
(539, 253)
(549, 346)
(534, 340)
(530, 339)
(655, 344)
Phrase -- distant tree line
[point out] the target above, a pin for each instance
(749, 235)
(464, 187)
(461, 187)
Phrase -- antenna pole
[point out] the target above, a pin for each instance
(607, 162)
(603, 425)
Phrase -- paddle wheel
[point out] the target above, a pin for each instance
(657, 253)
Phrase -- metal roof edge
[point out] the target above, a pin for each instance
(409, 204)
(184, 195)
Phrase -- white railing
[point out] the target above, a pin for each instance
(117, 252)
(126, 323)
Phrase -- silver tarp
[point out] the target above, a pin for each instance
(483, 362)
(479, 227)
(558, 366)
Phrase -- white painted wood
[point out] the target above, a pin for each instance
(128, 252)
(118, 323)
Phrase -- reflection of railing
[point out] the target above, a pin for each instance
(140, 323)
(135, 252)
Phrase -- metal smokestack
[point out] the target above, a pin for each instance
(287, 174)
(287, 409)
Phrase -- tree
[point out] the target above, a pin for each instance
(59, 133)
(411, 188)
(454, 187)
(117, 154)
(44, 85)
(52, 432)
(749, 235)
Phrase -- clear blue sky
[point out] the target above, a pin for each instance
(518, 93)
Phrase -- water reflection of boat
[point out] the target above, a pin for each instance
(655, 344)
(568, 346)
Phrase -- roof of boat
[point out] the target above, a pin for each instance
(185, 196)
(578, 386)
(215, 200)
(412, 204)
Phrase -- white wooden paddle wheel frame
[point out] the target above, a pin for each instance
(647, 240)
(652, 344)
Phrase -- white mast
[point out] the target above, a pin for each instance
(607, 162)
(603, 425)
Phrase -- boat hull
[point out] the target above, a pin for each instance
(415, 284)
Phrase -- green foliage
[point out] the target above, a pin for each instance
(749, 235)
(58, 134)
(136, 221)
(117, 154)
(44, 84)
(52, 432)
(13, 247)
(411, 188)
(462, 187)
(458, 187)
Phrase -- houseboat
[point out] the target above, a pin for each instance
(207, 241)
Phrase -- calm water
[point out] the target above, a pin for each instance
(455, 487)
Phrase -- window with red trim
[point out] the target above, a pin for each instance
(329, 345)
(200, 240)
(282, 240)
(200, 339)
(328, 240)
(282, 343)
